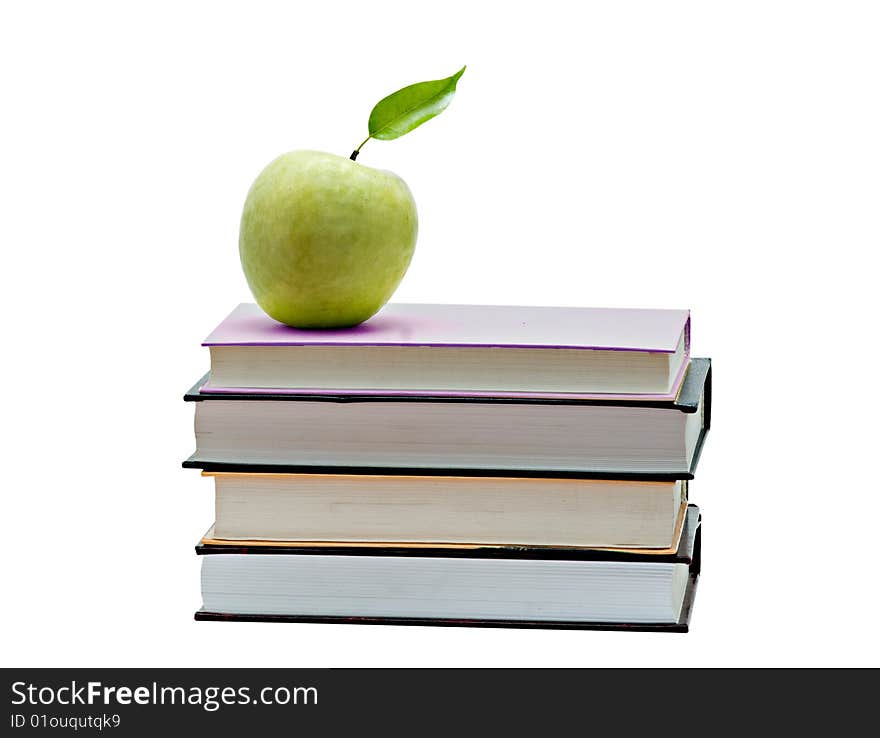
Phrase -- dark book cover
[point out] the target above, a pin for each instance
(689, 552)
(697, 384)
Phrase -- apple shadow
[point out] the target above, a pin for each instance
(385, 325)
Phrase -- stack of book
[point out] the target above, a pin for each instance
(454, 465)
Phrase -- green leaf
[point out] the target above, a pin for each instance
(406, 109)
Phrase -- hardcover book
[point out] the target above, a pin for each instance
(497, 436)
(458, 350)
(500, 587)
(308, 509)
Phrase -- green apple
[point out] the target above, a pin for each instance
(325, 241)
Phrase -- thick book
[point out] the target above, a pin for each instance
(491, 586)
(311, 509)
(458, 350)
(497, 436)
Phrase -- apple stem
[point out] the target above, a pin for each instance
(354, 154)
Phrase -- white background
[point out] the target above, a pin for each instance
(723, 157)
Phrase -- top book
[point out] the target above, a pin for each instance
(458, 350)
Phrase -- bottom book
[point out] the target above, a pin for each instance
(546, 587)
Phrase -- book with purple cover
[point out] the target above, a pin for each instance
(458, 350)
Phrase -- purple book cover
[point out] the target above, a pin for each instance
(497, 326)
